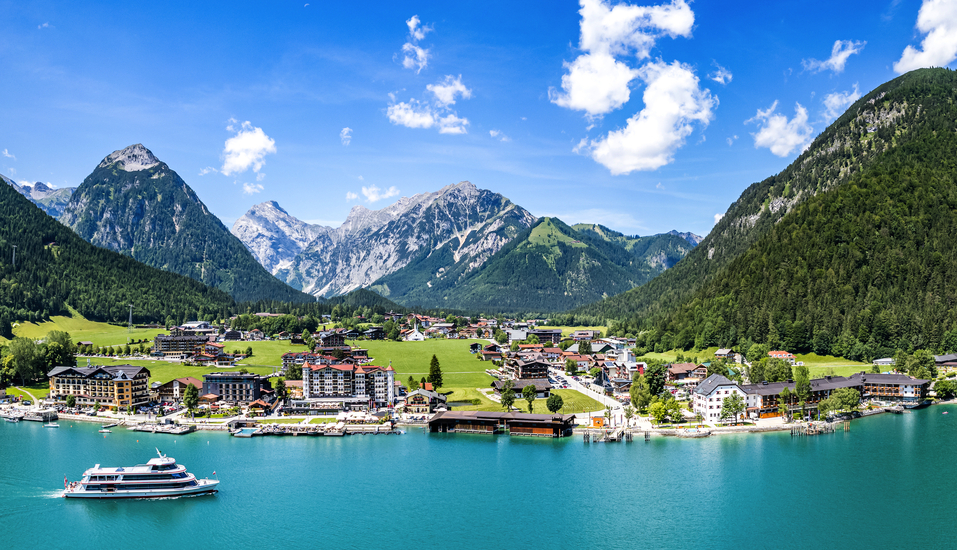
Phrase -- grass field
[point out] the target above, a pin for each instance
(566, 331)
(574, 402)
(39, 391)
(81, 330)
(460, 369)
(323, 420)
(266, 353)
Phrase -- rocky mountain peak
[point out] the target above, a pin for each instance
(131, 159)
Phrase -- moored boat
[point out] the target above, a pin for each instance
(51, 425)
(161, 477)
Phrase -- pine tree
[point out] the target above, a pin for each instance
(435, 373)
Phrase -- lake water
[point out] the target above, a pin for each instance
(886, 483)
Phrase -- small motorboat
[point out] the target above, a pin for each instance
(51, 425)
(105, 431)
(12, 418)
(945, 412)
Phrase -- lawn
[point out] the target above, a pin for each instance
(39, 391)
(574, 402)
(460, 369)
(81, 330)
(266, 353)
(323, 420)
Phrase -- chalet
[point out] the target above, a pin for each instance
(542, 387)
(491, 355)
(724, 353)
(443, 328)
(375, 333)
(526, 370)
(552, 354)
(583, 361)
(783, 355)
(351, 334)
(423, 401)
(680, 371)
(332, 339)
(475, 347)
(255, 335)
(232, 335)
(580, 335)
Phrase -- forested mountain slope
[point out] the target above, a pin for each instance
(55, 269)
(860, 266)
(904, 110)
(135, 204)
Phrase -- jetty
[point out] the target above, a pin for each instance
(171, 429)
(337, 429)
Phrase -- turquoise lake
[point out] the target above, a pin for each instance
(885, 484)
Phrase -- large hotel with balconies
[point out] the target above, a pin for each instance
(115, 386)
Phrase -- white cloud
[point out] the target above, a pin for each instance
(720, 74)
(596, 82)
(350, 196)
(361, 178)
(779, 134)
(659, 186)
(717, 218)
(496, 134)
(841, 50)
(417, 31)
(451, 124)
(208, 170)
(836, 103)
(938, 20)
(246, 149)
(445, 93)
(260, 176)
(13, 171)
(345, 136)
(44, 26)
(250, 188)
(411, 115)
(731, 140)
(9, 155)
(673, 102)
(374, 194)
(415, 56)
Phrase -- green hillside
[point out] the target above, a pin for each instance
(858, 267)
(56, 269)
(149, 213)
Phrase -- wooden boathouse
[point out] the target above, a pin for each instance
(512, 423)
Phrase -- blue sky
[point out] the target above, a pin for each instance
(643, 117)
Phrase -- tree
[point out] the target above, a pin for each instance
(249, 351)
(945, 389)
(629, 414)
(847, 399)
(508, 395)
(514, 346)
(732, 406)
(413, 385)
(67, 355)
(584, 347)
(554, 403)
(528, 394)
(71, 401)
(757, 352)
(501, 338)
(96, 405)
(717, 366)
(655, 375)
(802, 382)
(658, 412)
(777, 370)
(534, 340)
(784, 399)
(281, 389)
(25, 358)
(571, 367)
(674, 410)
(594, 372)
(190, 398)
(639, 392)
(294, 372)
(435, 373)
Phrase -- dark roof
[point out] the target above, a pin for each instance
(945, 358)
(113, 370)
(712, 382)
(507, 416)
(539, 383)
(872, 378)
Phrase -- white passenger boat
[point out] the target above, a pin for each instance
(159, 478)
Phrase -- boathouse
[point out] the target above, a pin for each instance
(513, 423)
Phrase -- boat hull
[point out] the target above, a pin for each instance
(202, 488)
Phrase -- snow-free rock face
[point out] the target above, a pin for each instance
(132, 159)
(456, 229)
(135, 204)
(273, 236)
(51, 200)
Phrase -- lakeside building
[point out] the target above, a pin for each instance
(173, 390)
(236, 386)
(763, 400)
(489, 422)
(114, 386)
(327, 389)
(423, 401)
(543, 387)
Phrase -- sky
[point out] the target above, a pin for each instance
(644, 117)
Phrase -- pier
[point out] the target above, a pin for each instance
(171, 429)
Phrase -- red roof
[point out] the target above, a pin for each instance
(427, 386)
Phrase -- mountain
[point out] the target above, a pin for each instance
(848, 251)
(51, 200)
(55, 270)
(452, 231)
(273, 236)
(134, 204)
(688, 236)
(549, 267)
